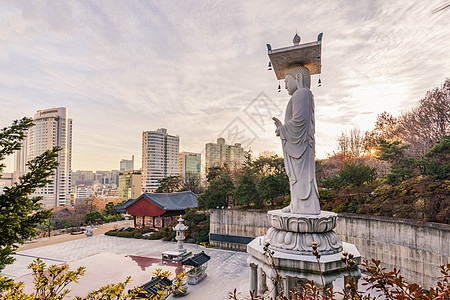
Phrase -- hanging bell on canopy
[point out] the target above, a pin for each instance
(320, 82)
(270, 66)
(279, 87)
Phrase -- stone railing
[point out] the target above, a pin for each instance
(415, 247)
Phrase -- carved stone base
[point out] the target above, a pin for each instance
(302, 266)
(301, 242)
(295, 233)
(324, 222)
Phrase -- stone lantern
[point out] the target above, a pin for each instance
(127, 218)
(180, 228)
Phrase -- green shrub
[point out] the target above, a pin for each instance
(137, 235)
(126, 234)
(93, 216)
(156, 236)
(197, 218)
(357, 174)
(146, 230)
(339, 208)
(287, 200)
(203, 236)
(113, 218)
(66, 223)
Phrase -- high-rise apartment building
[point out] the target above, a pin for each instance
(218, 154)
(130, 183)
(52, 128)
(190, 165)
(159, 157)
(127, 164)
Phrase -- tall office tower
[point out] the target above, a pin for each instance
(159, 157)
(190, 164)
(218, 154)
(52, 127)
(127, 164)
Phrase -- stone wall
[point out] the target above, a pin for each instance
(415, 247)
(235, 224)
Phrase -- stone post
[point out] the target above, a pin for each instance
(262, 286)
(253, 278)
(272, 288)
(287, 286)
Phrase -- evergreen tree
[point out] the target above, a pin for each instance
(274, 185)
(219, 191)
(246, 191)
(437, 160)
(402, 166)
(169, 184)
(213, 172)
(20, 213)
(357, 174)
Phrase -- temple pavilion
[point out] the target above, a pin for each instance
(158, 210)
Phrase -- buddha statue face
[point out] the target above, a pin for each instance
(290, 84)
(301, 74)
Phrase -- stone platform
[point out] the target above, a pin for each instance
(291, 240)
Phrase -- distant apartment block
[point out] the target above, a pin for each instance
(159, 157)
(130, 183)
(83, 192)
(52, 128)
(190, 165)
(127, 164)
(107, 177)
(217, 154)
(85, 178)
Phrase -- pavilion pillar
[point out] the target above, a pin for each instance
(253, 278)
(154, 222)
(143, 221)
(134, 221)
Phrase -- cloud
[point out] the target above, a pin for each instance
(194, 66)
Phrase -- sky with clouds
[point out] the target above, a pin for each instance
(199, 68)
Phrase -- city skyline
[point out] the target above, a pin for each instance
(199, 69)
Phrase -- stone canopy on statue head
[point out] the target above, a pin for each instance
(308, 55)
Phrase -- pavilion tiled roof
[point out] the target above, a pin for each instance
(154, 286)
(196, 260)
(166, 201)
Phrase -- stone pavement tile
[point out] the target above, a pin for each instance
(226, 269)
(21, 263)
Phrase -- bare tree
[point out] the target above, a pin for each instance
(351, 143)
(429, 122)
(193, 183)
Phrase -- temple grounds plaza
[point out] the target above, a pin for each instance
(111, 259)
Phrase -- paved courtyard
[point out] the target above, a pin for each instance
(110, 259)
